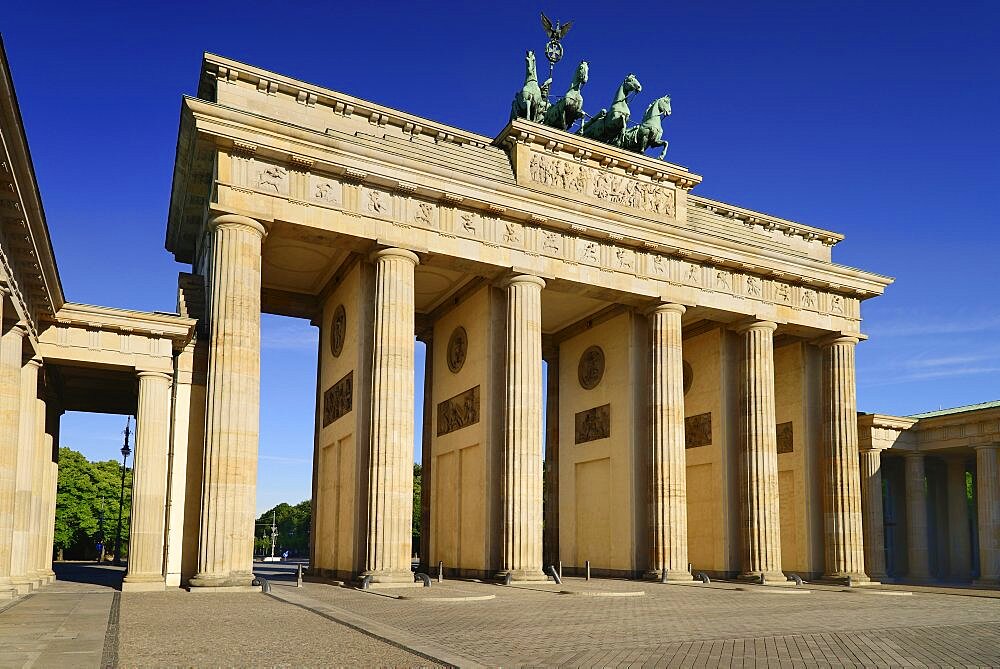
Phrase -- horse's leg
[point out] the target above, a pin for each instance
(663, 154)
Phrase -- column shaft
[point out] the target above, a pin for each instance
(988, 511)
(759, 455)
(390, 486)
(427, 457)
(959, 539)
(916, 517)
(20, 563)
(10, 408)
(521, 552)
(871, 505)
(550, 505)
(232, 412)
(39, 474)
(843, 525)
(149, 484)
(668, 506)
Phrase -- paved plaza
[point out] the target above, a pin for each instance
(83, 621)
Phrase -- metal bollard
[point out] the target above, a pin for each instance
(440, 571)
(663, 575)
(762, 581)
(366, 582)
(560, 571)
(703, 577)
(555, 574)
(422, 577)
(508, 578)
(850, 582)
(298, 577)
(588, 569)
(796, 578)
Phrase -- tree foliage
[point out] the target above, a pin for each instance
(294, 524)
(85, 488)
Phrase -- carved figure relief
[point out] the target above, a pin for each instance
(836, 304)
(458, 348)
(460, 411)
(469, 223)
(589, 253)
(698, 430)
(785, 440)
(753, 286)
(590, 371)
(693, 272)
(338, 399)
(511, 234)
(550, 242)
(722, 280)
(327, 191)
(783, 293)
(338, 331)
(808, 298)
(272, 178)
(376, 202)
(614, 188)
(593, 424)
(623, 258)
(424, 214)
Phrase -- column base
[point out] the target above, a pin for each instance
(533, 575)
(140, 585)
(988, 582)
(23, 585)
(233, 579)
(842, 579)
(399, 576)
(774, 577)
(673, 575)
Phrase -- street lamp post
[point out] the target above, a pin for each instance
(121, 500)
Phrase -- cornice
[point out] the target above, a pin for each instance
(886, 421)
(752, 218)
(178, 329)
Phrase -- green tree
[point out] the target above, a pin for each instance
(81, 487)
(293, 523)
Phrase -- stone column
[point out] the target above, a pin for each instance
(843, 526)
(916, 517)
(959, 539)
(149, 484)
(39, 474)
(426, 456)
(521, 551)
(759, 455)
(10, 408)
(871, 508)
(20, 562)
(988, 512)
(46, 505)
(390, 472)
(668, 505)
(232, 414)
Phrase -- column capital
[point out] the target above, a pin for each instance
(523, 279)
(913, 455)
(836, 338)
(665, 307)
(144, 373)
(35, 362)
(753, 324)
(237, 221)
(395, 253)
(985, 447)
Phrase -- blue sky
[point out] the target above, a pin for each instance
(875, 119)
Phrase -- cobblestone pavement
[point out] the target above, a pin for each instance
(680, 625)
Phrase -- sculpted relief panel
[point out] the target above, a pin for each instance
(460, 411)
(338, 400)
(603, 185)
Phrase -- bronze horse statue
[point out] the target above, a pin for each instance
(649, 133)
(608, 126)
(569, 109)
(530, 102)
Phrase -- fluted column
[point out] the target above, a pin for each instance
(232, 412)
(843, 525)
(20, 562)
(668, 506)
(918, 555)
(959, 539)
(550, 473)
(10, 405)
(521, 553)
(759, 454)
(149, 484)
(988, 508)
(39, 476)
(426, 454)
(390, 470)
(871, 508)
(46, 504)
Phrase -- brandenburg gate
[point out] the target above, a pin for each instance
(699, 404)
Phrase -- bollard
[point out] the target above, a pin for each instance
(588, 569)
(555, 574)
(703, 577)
(560, 571)
(422, 577)
(663, 575)
(762, 581)
(850, 582)
(796, 578)
(508, 578)
(440, 571)
(366, 582)
(298, 577)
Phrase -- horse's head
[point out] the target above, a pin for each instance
(663, 105)
(582, 73)
(529, 58)
(631, 84)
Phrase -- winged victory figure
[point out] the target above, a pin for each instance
(558, 31)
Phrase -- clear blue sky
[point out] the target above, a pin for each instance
(875, 119)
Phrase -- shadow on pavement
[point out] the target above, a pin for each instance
(104, 575)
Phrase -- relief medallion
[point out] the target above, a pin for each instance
(338, 331)
(591, 369)
(458, 347)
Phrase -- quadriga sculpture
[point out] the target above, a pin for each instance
(608, 125)
(530, 102)
(569, 109)
(649, 133)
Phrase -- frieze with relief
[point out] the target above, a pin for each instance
(460, 411)
(698, 430)
(593, 424)
(338, 400)
(785, 436)
(602, 185)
